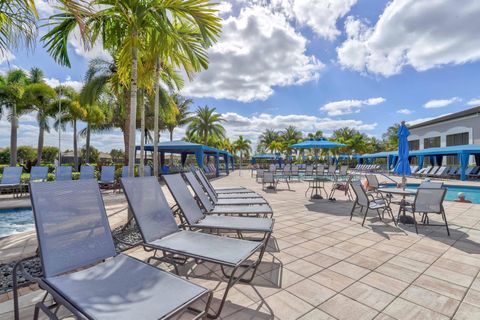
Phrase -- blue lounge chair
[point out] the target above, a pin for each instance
(107, 177)
(39, 174)
(81, 269)
(147, 171)
(87, 172)
(11, 180)
(63, 173)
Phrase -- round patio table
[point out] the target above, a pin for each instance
(316, 184)
(403, 193)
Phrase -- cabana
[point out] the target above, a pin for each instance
(185, 148)
(266, 156)
(436, 155)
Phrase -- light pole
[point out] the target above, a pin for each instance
(60, 127)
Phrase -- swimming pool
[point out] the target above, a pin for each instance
(14, 221)
(471, 193)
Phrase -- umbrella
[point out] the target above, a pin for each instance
(403, 165)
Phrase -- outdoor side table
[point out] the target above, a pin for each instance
(403, 193)
(316, 184)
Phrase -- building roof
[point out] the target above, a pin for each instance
(463, 149)
(452, 116)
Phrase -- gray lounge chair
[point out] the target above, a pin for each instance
(175, 181)
(206, 184)
(107, 177)
(38, 173)
(224, 189)
(11, 179)
(81, 269)
(160, 233)
(125, 172)
(199, 190)
(87, 172)
(63, 173)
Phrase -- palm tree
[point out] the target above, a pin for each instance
(207, 122)
(182, 117)
(127, 34)
(275, 146)
(243, 146)
(269, 136)
(72, 111)
(290, 136)
(39, 97)
(12, 88)
(391, 137)
(317, 135)
(17, 24)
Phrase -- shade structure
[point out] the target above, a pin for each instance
(403, 165)
(317, 144)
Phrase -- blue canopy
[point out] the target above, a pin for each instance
(403, 165)
(317, 144)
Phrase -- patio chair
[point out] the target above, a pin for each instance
(11, 180)
(368, 203)
(320, 169)
(107, 178)
(272, 168)
(63, 173)
(38, 173)
(246, 193)
(81, 269)
(196, 218)
(200, 190)
(308, 171)
(269, 181)
(259, 174)
(343, 186)
(428, 200)
(431, 184)
(161, 234)
(343, 171)
(87, 172)
(332, 170)
(174, 181)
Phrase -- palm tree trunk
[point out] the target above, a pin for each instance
(41, 135)
(141, 169)
(87, 145)
(133, 109)
(126, 125)
(13, 137)
(156, 106)
(75, 145)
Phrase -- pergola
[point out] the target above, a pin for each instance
(436, 155)
(266, 156)
(185, 148)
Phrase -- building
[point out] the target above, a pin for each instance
(460, 128)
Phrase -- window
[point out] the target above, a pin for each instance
(457, 139)
(414, 145)
(433, 142)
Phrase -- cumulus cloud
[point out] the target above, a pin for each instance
(6, 56)
(338, 108)
(404, 111)
(53, 82)
(474, 102)
(408, 33)
(224, 7)
(258, 50)
(440, 103)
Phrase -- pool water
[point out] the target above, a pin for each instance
(471, 193)
(13, 221)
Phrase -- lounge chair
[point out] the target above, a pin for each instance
(432, 171)
(125, 172)
(175, 181)
(441, 172)
(63, 173)
(472, 171)
(413, 169)
(239, 189)
(367, 203)
(81, 269)
(198, 219)
(423, 171)
(147, 171)
(38, 174)
(87, 172)
(161, 234)
(239, 194)
(200, 190)
(107, 178)
(11, 180)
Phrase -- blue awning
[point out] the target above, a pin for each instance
(317, 144)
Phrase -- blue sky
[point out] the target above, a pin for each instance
(318, 65)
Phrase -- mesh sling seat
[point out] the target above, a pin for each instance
(429, 200)
(87, 172)
(38, 173)
(224, 189)
(367, 202)
(107, 177)
(160, 232)
(265, 210)
(81, 269)
(11, 179)
(63, 173)
(200, 192)
(206, 184)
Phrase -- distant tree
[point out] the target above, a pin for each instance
(94, 154)
(5, 156)
(390, 137)
(315, 135)
(182, 117)
(26, 154)
(117, 155)
(206, 122)
(267, 137)
(275, 146)
(243, 147)
(49, 154)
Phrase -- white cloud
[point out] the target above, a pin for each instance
(474, 102)
(417, 121)
(6, 56)
(258, 50)
(423, 34)
(440, 103)
(224, 8)
(45, 8)
(92, 52)
(53, 82)
(338, 108)
(404, 111)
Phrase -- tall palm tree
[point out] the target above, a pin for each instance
(127, 34)
(242, 146)
(72, 111)
(182, 117)
(268, 136)
(275, 146)
(206, 123)
(40, 97)
(315, 135)
(12, 88)
(17, 24)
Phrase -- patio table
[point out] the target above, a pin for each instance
(403, 192)
(316, 184)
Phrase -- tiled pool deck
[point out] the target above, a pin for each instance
(320, 265)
